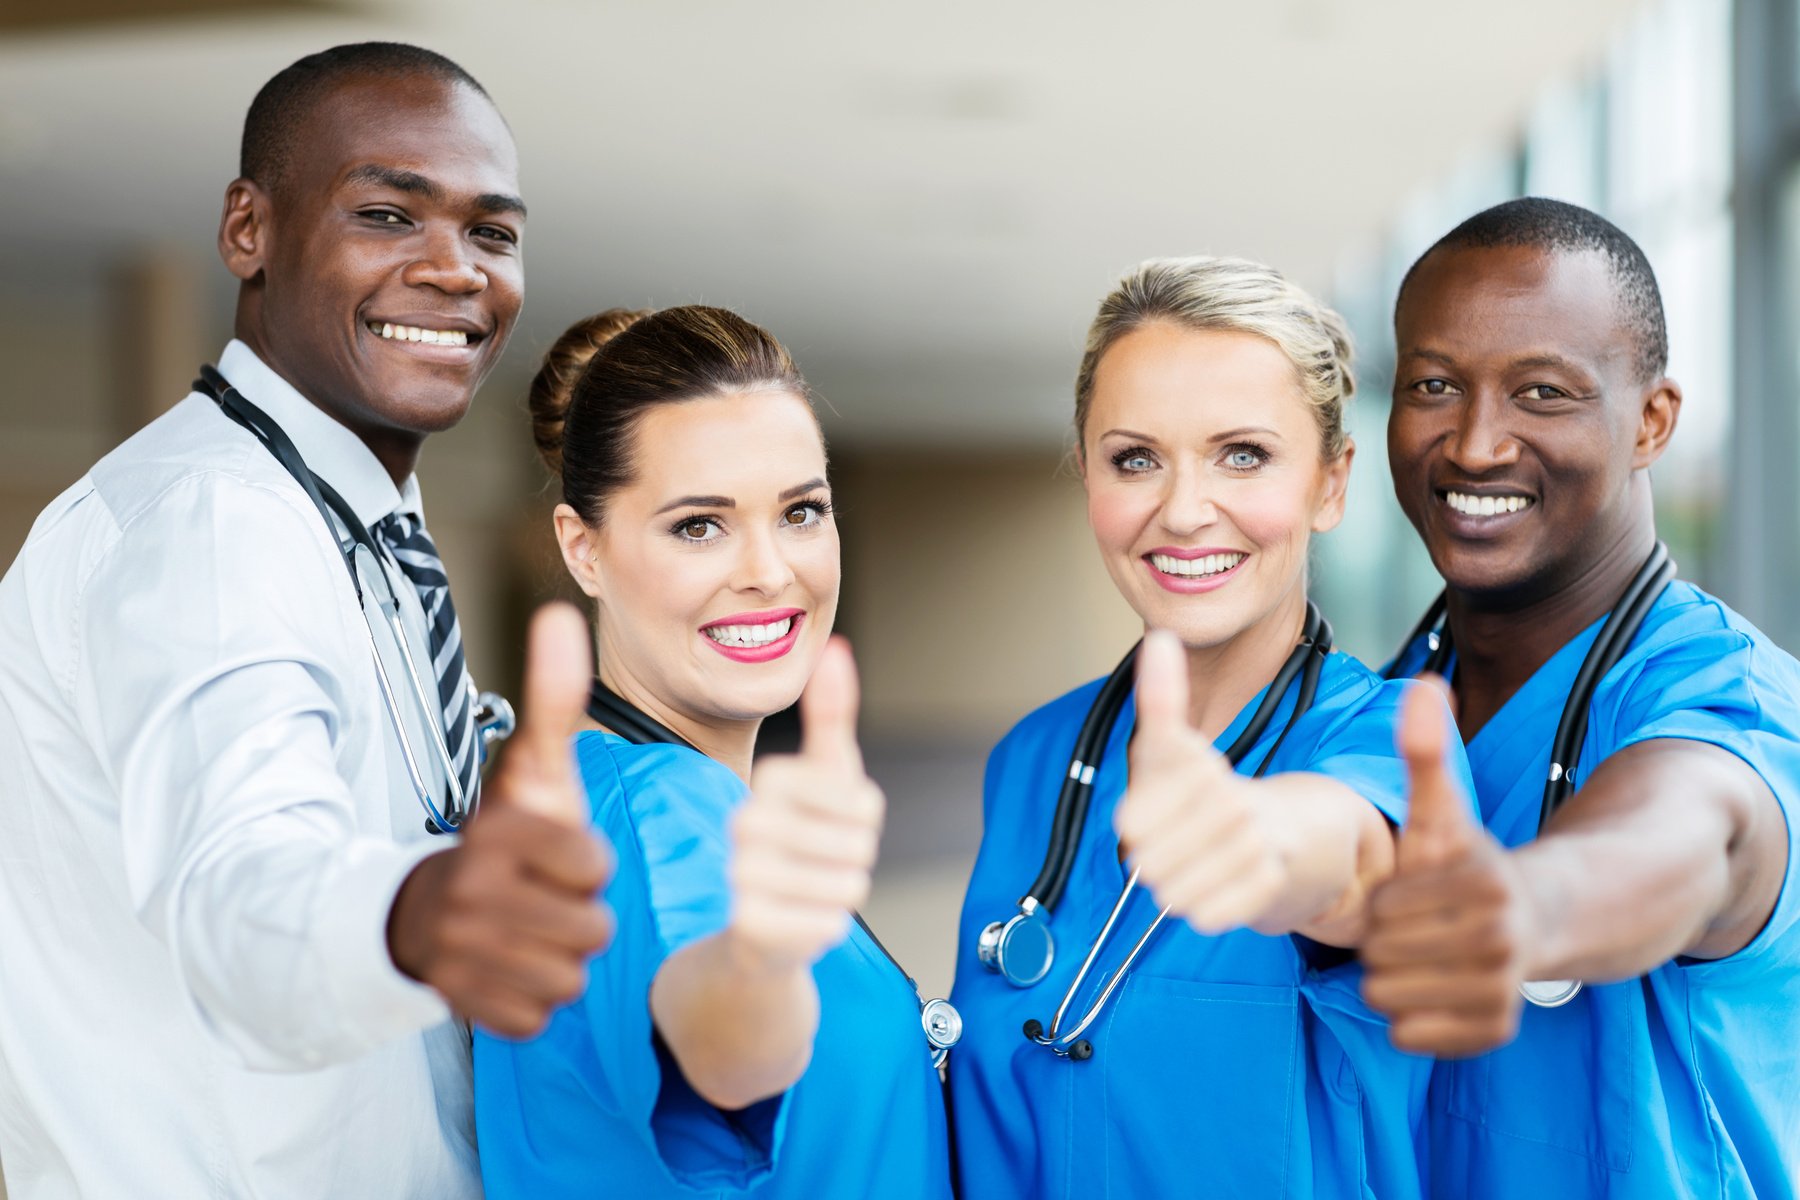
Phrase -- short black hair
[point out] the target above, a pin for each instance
(1554, 225)
(278, 114)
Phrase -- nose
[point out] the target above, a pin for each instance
(1188, 502)
(761, 566)
(1479, 441)
(446, 262)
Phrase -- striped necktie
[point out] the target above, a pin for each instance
(405, 537)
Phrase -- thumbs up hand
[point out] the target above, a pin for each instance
(1188, 821)
(804, 843)
(503, 922)
(1446, 946)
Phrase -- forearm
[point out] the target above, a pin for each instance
(1671, 848)
(281, 943)
(1334, 846)
(739, 1029)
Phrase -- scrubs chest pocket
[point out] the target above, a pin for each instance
(1571, 1080)
(1200, 1088)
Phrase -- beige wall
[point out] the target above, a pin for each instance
(972, 588)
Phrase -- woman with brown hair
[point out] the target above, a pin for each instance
(745, 1033)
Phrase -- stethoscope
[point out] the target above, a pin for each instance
(1021, 949)
(942, 1023)
(494, 720)
(1614, 638)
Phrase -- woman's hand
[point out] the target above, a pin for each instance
(1296, 852)
(739, 1009)
(804, 843)
(1189, 823)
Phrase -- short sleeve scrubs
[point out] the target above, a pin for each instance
(596, 1107)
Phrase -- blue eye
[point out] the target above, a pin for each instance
(1134, 461)
(1245, 457)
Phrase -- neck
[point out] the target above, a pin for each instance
(732, 743)
(1502, 643)
(1222, 679)
(397, 450)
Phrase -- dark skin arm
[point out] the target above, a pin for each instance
(1672, 847)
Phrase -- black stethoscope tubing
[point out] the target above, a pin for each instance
(1096, 730)
(335, 511)
(1610, 644)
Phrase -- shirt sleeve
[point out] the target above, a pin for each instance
(1357, 748)
(667, 810)
(211, 684)
(1719, 686)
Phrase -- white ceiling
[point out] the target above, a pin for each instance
(924, 200)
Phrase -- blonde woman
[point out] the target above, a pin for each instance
(1249, 786)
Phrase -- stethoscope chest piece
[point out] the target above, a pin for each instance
(1550, 993)
(943, 1028)
(1020, 948)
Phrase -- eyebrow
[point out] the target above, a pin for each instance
(416, 184)
(792, 493)
(1226, 436)
(1529, 362)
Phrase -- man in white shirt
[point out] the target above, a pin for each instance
(229, 948)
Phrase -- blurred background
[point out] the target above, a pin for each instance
(925, 201)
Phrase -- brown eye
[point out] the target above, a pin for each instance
(804, 515)
(695, 530)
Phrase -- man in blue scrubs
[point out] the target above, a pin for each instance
(1530, 403)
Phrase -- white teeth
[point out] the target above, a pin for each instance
(412, 333)
(1485, 506)
(749, 636)
(1208, 564)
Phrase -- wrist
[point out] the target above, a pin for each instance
(1535, 930)
(410, 931)
(752, 961)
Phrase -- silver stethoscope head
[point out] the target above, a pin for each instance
(494, 719)
(1021, 948)
(1550, 993)
(943, 1028)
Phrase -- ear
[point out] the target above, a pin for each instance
(578, 542)
(1656, 422)
(1337, 483)
(244, 229)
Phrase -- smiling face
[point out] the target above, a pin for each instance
(1521, 424)
(382, 275)
(1201, 458)
(716, 570)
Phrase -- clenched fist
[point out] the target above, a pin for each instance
(502, 923)
(1188, 821)
(804, 842)
(1446, 948)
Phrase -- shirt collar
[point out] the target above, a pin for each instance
(331, 450)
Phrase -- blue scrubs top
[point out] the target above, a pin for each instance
(596, 1107)
(1236, 1065)
(1685, 1082)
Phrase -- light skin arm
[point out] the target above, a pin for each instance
(1296, 852)
(738, 1010)
(1335, 847)
(1672, 847)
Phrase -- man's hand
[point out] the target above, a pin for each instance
(1190, 823)
(804, 843)
(503, 923)
(1449, 932)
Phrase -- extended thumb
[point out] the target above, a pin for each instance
(1438, 815)
(828, 708)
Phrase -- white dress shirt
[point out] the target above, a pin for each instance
(203, 822)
